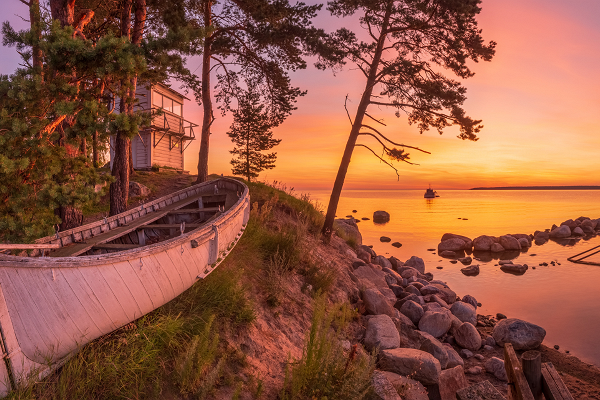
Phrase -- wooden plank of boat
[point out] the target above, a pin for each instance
(170, 226)
(80, 248)
(21, 246)
(194, 210)
(115, 246)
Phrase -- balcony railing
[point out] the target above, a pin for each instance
(168, 123)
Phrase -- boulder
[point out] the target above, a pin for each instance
(541, 236)
(396, 263)
(432, 307)
(408, 388)
(363, 255)
(464, 312)
(381, 216)
(454, 359)
(397, 289)
(376, 303)
(349, 229)
(448, 254)
(521, 334)
(562, 231)
(369, 276)
(397, 244)
(470, 300)
(455, 244)
(388, 293)
(382, 262)
(495, 366)
(436, 349)
(468, 242)
(497, 248)
(451, 381)
(383, 388)
(408, 272)
(429, 289)
(465, 260)
(509, 242)
(413, 311)
(524, 243)
(420, 365)
(385, 239)
(402, 320)
(467, 337)
(471, 270)
(381, 333)
(435, 323)
(446, 294)
(515, 269)
(416, 263)
(410, 297)
(489, 341)
(578, 232)
(137, 189)
(466, 353)
(483, 243)
(412, 289)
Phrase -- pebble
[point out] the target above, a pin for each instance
(385, 239)
(397, 244)
(475, 370)
(487, 347)
(501, 316)
(453, 261)
(466, 353)
(440, 267)
(556, 346)
(532, 267)
(479, 357)
(354, 211)
(567, 351)
(430, 249)
(532, 255)
(365, 218)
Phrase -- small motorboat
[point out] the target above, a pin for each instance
(430, 193)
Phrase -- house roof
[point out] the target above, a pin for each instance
(168, 88)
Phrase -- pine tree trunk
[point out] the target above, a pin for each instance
(35, 20)
(334, 199)
(131, 170)
(95, 155)
(119, 189)
(70, 217)
(206, 99)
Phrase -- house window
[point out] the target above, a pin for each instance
(166, 103)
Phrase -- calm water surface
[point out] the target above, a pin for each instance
(563, 299)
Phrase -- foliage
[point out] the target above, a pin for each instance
(325, 371)
(251, 133)
(403, 53)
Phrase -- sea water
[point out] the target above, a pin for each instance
(563, 299)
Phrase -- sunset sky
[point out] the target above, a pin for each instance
(539, 99)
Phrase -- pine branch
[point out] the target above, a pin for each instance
(391, 166)
(347, 112)
(392, 142)
(376, 120)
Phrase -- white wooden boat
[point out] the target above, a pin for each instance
(84, 283)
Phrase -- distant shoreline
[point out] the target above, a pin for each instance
(538, 188)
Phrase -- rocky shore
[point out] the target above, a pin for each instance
(430, 341)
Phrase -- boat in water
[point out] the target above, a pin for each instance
(73, 287)
(430, 193)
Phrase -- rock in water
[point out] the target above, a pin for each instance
(521, 334)
(381, 333)
(509, 242)
(497, 248)
(397, 244)
(515, 269)
(381, 216)
(385, 239)
(455, 244)
(562, 231)
(467, 337)
(418, 364)
(471, 270)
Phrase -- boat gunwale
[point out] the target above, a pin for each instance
(201, 234)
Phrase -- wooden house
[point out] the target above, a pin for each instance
(163, 143)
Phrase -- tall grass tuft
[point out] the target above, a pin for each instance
(325, 371)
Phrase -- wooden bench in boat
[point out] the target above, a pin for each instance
(79, 248)
(115, 246)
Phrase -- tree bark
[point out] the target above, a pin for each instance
(356, 126)
(95, 155)
(206, 98)
(35, 20)
(63, 10)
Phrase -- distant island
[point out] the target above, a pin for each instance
(538, 188)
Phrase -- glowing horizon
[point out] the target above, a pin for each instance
(538, 99)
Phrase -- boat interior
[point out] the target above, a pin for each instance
(147, 224)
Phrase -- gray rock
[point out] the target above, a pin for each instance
(483, 243)
(578, 232)
(436, 349)
(467, 337)
(509, 242)
(358, 263)
(466, 260)
(474, 370)
(495, 366)
(418, 285)
(516, 269)
(435, 323)
(410, 297)
(497, 248)
(432, 307)
(479, 357)
(429, 289)
(369, 276)
(381, 334)
(562, 231)
(412, 289)
(368, 250)
(448, 254)
(363, 255)
(407, 388)
(521, 334)
(383, 388)
(420, 365)
(416, 263)
(455, 244)
(401, 320)
(396, 263)
(451, 381)
(388, 293)
(524, 243)
(397, 289)
(500, 316)
(464, 312)
(487, 347)
(376, 303)
(466, 353)
(382, 262)
(504, 262)
(385, 239)
(397, 244)
(489, 341)
(349, 229)
(541, 236)
(454, 359)
(437, 299)
(470, 300)
(137, 189)
(408, 272)
(381, 216)
(446, 294)
(471, 270)
(413, 311)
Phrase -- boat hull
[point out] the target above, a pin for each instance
(50, 307)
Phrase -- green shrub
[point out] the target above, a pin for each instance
(324, 371)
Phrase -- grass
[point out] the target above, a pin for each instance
(325, 371)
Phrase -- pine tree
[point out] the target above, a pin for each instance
(251, 134)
